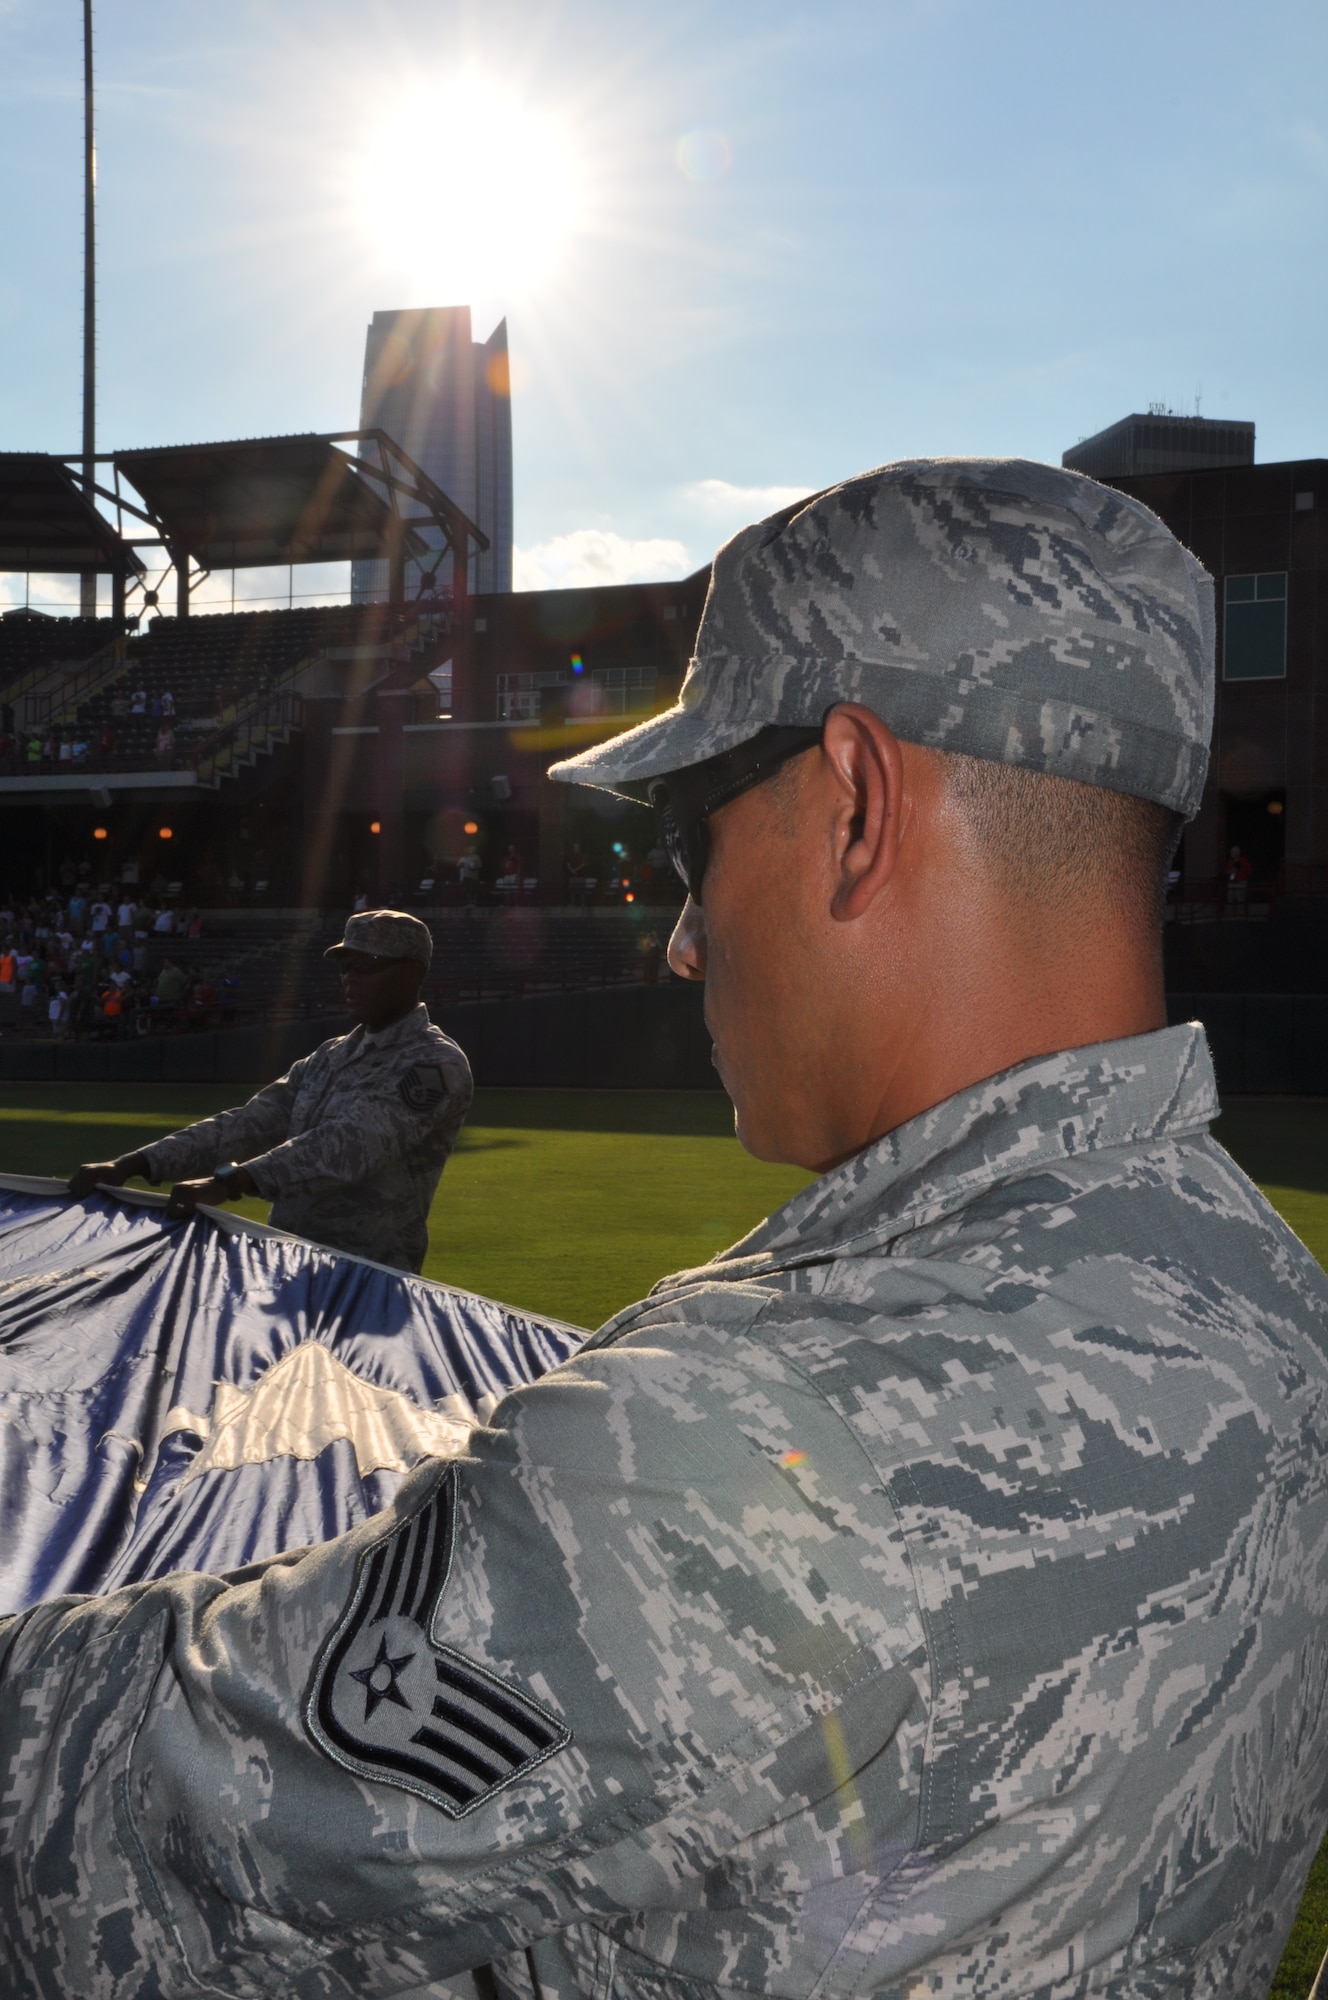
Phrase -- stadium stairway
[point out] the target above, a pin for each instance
(39, 656)
(230, 678)
(261, 724)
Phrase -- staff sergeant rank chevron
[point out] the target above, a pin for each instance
(389, 1704)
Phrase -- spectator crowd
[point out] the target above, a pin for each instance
(90, 963)
(83, 744)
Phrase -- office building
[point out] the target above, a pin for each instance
(446, 400)
(1161, 441)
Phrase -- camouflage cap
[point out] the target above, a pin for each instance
(1005, 609)
(385, 934)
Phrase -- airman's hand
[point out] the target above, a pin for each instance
(187, 1195)
(108, 1173)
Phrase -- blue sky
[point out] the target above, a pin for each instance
(743, 248)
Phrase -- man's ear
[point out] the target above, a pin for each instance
(866, 768)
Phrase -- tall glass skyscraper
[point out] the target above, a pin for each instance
(446, 400)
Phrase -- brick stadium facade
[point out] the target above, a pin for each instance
(1262, 530)
(358, 739)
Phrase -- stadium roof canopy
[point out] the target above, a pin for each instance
(256, 502)
(48, 525)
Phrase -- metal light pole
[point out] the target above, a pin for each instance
(88, 582)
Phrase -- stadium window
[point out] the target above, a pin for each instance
(441, 679)
(622, 689)
(520, 695)
(1254, 647)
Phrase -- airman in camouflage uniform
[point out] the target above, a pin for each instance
(350, 1144)
(924, 1598)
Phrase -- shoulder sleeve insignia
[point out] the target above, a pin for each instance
(388, 1704)
(424, 1086)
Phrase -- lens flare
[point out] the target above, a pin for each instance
(704, 155)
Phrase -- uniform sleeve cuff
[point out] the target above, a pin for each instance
(262, 1180)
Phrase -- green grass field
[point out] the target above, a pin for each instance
(573, 1203)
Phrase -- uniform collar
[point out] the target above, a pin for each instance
(410, 1024)
(1054, 1108)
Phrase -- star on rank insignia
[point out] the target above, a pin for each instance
(389, 1704)
(379, 1679)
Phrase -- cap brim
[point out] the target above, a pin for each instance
(388, 958)
(626, 764)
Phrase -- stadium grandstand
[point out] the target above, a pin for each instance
(225, 785)
(244, 778)
(33, 645)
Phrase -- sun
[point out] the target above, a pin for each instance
(468, 190)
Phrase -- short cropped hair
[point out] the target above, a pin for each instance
(1061, 844)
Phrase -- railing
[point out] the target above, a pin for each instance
(1205, 899)
(248, 727)
(65, 676)
(247, 733)
(102, 668)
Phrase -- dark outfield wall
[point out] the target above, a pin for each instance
(1264, 1044)
(624, 1038)
(637, 1038)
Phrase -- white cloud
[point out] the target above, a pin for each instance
(57, 594)
(719, 509)
(597, 555)
(719, 499)
(708, 511)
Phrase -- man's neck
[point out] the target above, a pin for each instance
(978, 998)
(382, 1022)
(978, 1017)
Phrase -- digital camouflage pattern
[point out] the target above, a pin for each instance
(349, 1145)
(385, 934)
(1008, 610)
(925, 1598)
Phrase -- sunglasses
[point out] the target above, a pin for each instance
(686, 799)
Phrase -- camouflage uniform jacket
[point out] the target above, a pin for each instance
(349, 1145)
(927, 1597)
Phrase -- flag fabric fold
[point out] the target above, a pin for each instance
(202, 1394)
